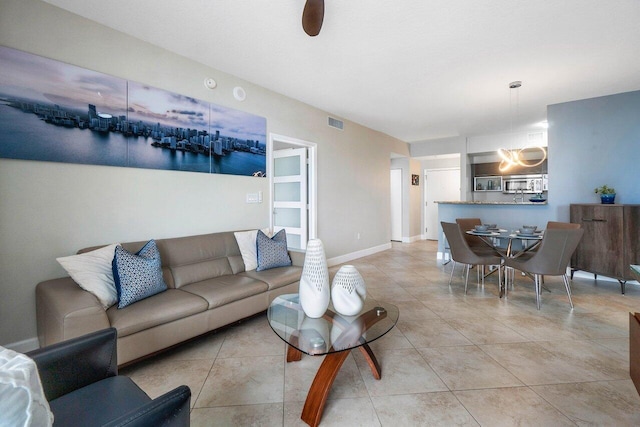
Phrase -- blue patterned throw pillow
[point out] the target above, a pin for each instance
(272, 252)
(137, 276)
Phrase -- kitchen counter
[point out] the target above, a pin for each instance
(491, 203)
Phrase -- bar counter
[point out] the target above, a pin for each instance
(491, 203)
(507, 214)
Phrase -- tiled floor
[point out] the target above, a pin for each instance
(453, 359)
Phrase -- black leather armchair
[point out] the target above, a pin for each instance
(81, 382)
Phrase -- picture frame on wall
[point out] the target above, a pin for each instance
(415, 179)
(57, 112)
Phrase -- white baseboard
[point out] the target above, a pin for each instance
(412, 239)
(359, 254)
(24, 346)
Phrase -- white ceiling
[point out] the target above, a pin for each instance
(413, 69)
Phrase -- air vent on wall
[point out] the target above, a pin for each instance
(335, 123)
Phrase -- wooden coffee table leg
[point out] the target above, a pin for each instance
(371, 360)
(293, 354)
(317, 397)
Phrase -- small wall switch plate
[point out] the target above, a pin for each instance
(254, 198)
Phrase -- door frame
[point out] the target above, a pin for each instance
(400, 207)
(312, 181)
(424, 195)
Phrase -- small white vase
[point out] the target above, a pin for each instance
(348, 291)
(314, 290)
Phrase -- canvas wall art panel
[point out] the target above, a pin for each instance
(52, 111)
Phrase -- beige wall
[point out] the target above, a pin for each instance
(52, 209)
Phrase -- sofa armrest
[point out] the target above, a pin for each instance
(170, 409)
(76, 363)
(64, 310)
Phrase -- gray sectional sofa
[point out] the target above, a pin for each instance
(208, 288)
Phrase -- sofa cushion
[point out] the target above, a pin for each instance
(226, 289)
(170, 305)
(137, 276)
(92, 272)
(276, 277)
(272, 252)
(247, 244)
(199, 271)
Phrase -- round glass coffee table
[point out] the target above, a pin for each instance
(332, 335)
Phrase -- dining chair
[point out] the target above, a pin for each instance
(551, 259)
(469, 224)
(552, 225)
(462, 253)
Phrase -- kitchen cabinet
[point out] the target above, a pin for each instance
(487, 183)
(610, 243)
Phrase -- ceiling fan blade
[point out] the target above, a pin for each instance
(312, 17)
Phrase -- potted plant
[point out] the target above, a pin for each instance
(607, 194)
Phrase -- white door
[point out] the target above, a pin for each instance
(290, 195)
(440, 185)
(396, 204)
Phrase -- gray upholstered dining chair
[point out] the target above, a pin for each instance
(462, 253)
(475, 243)
(551, 258)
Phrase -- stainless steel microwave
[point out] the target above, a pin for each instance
(525, 183)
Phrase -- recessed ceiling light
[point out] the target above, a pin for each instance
(239, 93)
(210, 83)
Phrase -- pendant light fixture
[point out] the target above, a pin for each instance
(515, 157)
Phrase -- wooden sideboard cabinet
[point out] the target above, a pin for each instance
(611, 240)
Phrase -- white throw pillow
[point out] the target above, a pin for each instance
(22, 400)
(94, 273)
(247, 244)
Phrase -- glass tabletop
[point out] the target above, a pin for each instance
(332, 332)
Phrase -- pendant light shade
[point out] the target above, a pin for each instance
(514, 157)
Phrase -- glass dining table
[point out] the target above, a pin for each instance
(517, 244)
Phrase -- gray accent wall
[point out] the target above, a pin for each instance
(48, 210)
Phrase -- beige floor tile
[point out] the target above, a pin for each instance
(157, 376)
(467, 367)
(457, 307)
(517, 406)
(267, 415)
(300, 375)
(394, 293)
(252, 338)
(243, 381)
(619, 345)
(602, 403)
(538, 327)
(402, 371)
(555, 362)
(485, 331)
(607, 364)
(358, 412)
(431, 333)
(423, 409)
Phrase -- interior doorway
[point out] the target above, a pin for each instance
(291, 168)
(396, 205)
(439, 184)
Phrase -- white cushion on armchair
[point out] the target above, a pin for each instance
(22, 400)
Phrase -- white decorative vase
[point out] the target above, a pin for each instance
(348, 291)
(314, 283)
